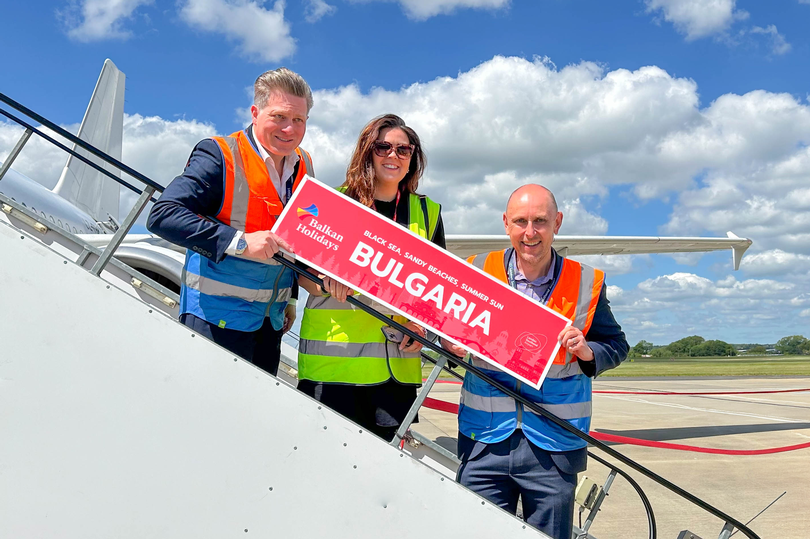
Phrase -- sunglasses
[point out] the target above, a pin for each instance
(383, 149)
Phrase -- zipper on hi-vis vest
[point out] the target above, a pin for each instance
(275, 291)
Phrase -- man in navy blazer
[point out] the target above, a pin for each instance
(232, 291)
(506, 450)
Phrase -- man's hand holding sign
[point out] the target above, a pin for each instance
(494, 307)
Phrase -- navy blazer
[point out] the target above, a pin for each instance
(179, 216)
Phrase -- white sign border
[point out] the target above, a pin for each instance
(291, 203)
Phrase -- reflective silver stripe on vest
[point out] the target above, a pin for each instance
(564, 371)
(284, 295)
(574, 410)
(217, 288)
(307, 163)
(481, 364)
(555, 371)
(586, 280)
(241, 188)
(351, 349)
(331, 304)
(506, 405)
(479, 261)
(495, 405)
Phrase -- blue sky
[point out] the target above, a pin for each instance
(646, 117)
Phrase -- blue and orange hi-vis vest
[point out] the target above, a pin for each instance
(490, 416)
(238, 293)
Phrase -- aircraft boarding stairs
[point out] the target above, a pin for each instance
(118, 421)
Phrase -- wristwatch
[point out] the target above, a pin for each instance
(241, 245)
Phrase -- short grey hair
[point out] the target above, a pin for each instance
(280, 80)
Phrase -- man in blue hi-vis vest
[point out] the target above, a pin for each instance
(508, 451)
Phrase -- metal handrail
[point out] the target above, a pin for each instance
(532, 406)
(145, 194)
(644, 500)
(72, 152)
(153, 186)
(79, 142)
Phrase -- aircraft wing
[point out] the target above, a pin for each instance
(464, 246)
(145, 251)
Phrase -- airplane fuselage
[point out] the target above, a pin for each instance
(48, 205)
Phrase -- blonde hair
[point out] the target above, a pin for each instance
(280, 80)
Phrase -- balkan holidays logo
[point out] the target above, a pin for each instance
(320, 232)
(309, 211)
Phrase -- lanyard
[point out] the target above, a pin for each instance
(289, 188)
(396, 206)
(511, 276)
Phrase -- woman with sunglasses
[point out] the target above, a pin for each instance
(347, 359)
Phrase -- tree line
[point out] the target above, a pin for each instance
(697, 346)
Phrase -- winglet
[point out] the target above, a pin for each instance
(737, 251)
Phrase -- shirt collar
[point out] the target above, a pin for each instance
(543, 279)
(289, 161)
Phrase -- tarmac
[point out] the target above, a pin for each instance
(739, 485)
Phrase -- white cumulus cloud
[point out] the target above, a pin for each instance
(261, 34)
(424, 9)
(96, 20)
(511, 121)
(697, 18)
(733, 310)
(153, 146)
(779, 44)
(318, 9)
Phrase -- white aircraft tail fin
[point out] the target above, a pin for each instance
(103, 127)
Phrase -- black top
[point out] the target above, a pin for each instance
(403, 212)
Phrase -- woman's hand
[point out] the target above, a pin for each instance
(336, 289)
(409, 344)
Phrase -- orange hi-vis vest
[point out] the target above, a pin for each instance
(239, 293)
(251, 201)
(488, 415)
(574, 295)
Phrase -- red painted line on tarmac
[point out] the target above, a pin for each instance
(442, 406)
(449, 407)
(695, 449)
(701, 392)
(609, 392)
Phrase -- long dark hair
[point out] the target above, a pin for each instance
(359, 182)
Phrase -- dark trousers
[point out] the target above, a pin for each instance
(261, 347)
(379, 408)
(502, 471)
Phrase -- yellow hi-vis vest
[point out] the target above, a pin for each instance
(342, 344)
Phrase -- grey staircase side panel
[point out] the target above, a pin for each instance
(118, 422)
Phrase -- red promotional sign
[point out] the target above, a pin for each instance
(415, 278)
